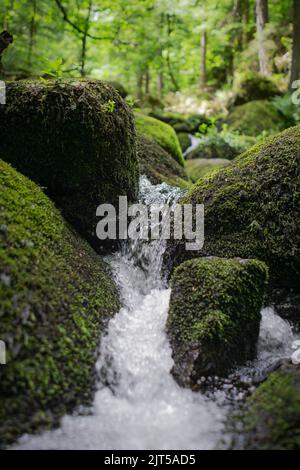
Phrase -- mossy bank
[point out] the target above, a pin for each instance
(214, 316)
(55, 294)
(76, 139)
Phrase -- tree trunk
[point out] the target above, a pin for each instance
(140, 85)
(203, 52)
(147, 81)
(160, 84)
(245, 20)
(32, 32)
(295, 72)
(262, 17)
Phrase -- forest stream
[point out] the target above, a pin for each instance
(138, 404)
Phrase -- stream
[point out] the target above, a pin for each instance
(138, 405)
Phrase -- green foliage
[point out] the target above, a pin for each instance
(109, 107)
(161, 133)
(127, 42)
(225, 144)
(56, 295)
(214, 315)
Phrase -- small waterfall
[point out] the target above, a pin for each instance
(137, 404)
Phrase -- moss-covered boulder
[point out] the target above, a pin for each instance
(74, 138)
(200, 167)
(55, 294)
(158, 165)
(254, 118)
(161, 133)
(272, 418)
(252, 209)
(184, 140)
(214, 316)
(254, 86)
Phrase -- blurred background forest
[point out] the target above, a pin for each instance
(178, 51)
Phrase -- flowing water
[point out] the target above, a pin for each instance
(138, 405)
(195, 141)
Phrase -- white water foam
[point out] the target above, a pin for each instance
(138, 405)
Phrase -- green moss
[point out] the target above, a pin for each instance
(55, 294)
(253, 86)
(76, 139)
(214, 315)
(161, 133)
(158, 165)
(252, 208)
(272, 419)
(254, 118)
(200, 167)
(184, 140)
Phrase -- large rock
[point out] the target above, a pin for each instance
(272, 417)
(214, 316)
(252, 209)
(161, 133)
(74, 138)
(158, 165)
(254, 118)
(55, 295)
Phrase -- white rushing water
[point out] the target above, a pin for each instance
(138, 405)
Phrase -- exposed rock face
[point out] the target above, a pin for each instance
(214, 315)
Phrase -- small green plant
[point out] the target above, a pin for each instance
(207, 127)
(109, 107)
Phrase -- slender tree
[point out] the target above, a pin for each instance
(203, 53)
(262, 17)
(32, 31)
